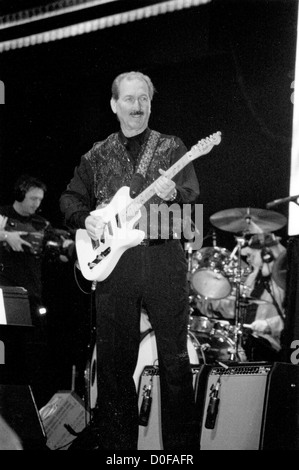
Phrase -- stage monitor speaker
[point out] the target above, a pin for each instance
(251, 406)
(19, 412)
(150, 436)
(64, 417)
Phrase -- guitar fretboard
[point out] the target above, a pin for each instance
(201, 148)
(143, 197)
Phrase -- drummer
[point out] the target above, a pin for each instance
(264, 312)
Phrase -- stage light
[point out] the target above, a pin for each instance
(42, 310)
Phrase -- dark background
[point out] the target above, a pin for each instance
(227, 66)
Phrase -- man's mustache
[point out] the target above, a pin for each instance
(137, 113)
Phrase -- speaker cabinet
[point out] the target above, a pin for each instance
(16, 305)
(150, 436)
(257, 408)
(19, 411)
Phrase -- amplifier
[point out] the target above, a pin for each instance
(16, 306)
(150, 436)
(251, 406)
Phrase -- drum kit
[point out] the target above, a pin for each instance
(215, 273)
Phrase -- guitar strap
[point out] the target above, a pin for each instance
(148, 153)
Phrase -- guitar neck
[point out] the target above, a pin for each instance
(201, 148)
(143, 197)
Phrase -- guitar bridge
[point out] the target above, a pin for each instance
(99, 258)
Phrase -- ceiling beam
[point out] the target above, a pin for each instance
(69, 18)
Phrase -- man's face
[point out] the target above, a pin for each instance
(253, 257)
(133, 106)
(32, 201)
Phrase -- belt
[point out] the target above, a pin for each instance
(152, 242)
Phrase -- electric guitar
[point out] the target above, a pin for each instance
(34, 237)
(97, 259)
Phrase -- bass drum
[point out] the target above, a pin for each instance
(147, 356)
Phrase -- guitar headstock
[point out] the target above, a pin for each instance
(204, 146)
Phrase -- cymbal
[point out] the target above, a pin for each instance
(249, 220)
(279, 270)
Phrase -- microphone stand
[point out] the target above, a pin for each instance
(277, 202)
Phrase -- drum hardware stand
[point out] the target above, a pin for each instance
(188, 248)
(202, 347)
(239, 304)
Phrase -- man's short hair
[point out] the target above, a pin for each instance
(131, 76)
(24, 183)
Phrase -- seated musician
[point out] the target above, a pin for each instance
(262, 300)
(25, 235)
(20, 253)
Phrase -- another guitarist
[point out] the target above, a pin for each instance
(152, 274)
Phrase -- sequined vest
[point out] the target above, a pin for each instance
(113, 168)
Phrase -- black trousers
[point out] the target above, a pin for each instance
(155, 277)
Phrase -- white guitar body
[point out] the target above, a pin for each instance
(98, 259)
(119, 235)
